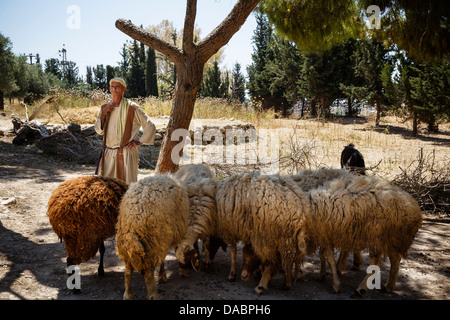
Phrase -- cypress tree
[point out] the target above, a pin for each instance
(151, 75)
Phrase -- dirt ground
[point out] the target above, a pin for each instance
(33, 265)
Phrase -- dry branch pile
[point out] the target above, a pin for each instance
(427, 182)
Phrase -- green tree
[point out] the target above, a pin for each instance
(37, 83)
(260, 75)
(21, 78)
(124, 64)
(420, 28)
(151, 74)
(52, 66)
(70, 74)
(99, 79)
(7, 68)
(211, 84)
(89, 77)
(314, 25)
(110, 73)
(370, 59)
(430, 90)
(308, 23)
(257, 84)
(136, 75)
(237, 84)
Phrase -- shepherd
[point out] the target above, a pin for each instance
(120, 122)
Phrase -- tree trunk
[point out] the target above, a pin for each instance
(2, 104)
(414, 129)
(185, 96)
(189, 62)
(378, 117)
(350, 109)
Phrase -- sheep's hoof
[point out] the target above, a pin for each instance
(358, 293)
(127, 296)
(321, 277)
(386, 289)
(286, 287)
(232, 277)
(260, 290)
(76, 291)
(101, 272)
(154, 296)
(183, 272)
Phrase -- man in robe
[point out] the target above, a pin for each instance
(119, 122)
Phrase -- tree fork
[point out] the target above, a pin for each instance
(189, 61)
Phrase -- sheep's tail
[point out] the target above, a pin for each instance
(135, 251)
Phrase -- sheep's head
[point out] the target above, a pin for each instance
(188, 257)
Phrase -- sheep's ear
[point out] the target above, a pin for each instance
(195, 261)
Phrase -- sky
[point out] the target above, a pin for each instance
(86, 29)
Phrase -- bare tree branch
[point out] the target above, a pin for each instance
(149, 39)
(188, 31)
(229, 26)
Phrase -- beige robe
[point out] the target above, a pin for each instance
(130, 157)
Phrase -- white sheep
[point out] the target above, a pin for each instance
(200, 184)
(346, 212)
(310, 179)
(266, 211)
(153, 218)
(355, 213)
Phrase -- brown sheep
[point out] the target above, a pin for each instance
(83, 213)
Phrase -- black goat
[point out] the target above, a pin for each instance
(352, 160)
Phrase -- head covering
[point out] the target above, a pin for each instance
(120, 80)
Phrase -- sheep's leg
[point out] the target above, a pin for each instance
(232, 275)
(332, 263)
(357, 260)
(162, 277)
(128, 272)
(323, 265)
(208, 267)
(298, 273)
(152, 292)
(362, 288)
(264, 282)
(101, 271)
(287, 276)
(394, 260)
(342, 261)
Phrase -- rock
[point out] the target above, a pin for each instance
(27, 135)
(74, 128)
(88, 131)
(8, 201)
(72, 147)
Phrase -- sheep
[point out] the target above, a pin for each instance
(232, 216)
(83, 212)
(266, 211)
(200, 184)
(153, 218)
(306, 180)
(352, 160)
(309, 179)
(352, 214)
